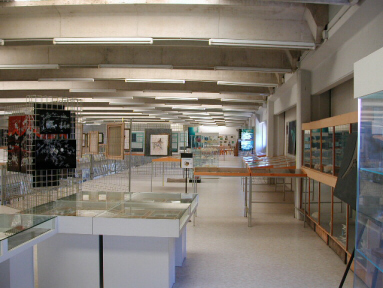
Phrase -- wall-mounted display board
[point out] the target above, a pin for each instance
(126, 139)
(227, 140)
(158, 142)
(175, 136)
(291, 132)
(115, 141)
(247, 139)
(138, 141)
(93, 142)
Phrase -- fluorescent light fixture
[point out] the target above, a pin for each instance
(1, 42)
(177, 98)
(244, 93)
(135, 66)
(254, 69)
(241, 100)
(30, 66)
(263, 44)
(171, 81)
(67, 79)
(92, 90)
(108, 113)
(190, 108)
(248, 84)
(96, 41)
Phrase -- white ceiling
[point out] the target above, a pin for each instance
(221, 85)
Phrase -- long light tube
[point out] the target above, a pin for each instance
(92, 90)
(96, 41)
(30, 66)
(171, 81)
(249, 84)
(254, 69)
(66, 79)
(135, 66)
(263, 44)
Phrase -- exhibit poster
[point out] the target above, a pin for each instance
(159, 145)
(187, 160)
(291, 146)
(55, 154)
(54, 121)
(247, 139)
(14, 149)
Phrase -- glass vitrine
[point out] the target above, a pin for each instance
(315, 149)
(327, 150)
(306, 148)
(341, 134)
(369, 227)
(314, 199)
(325, 207)
(18, 229)
(339, 226)
(144, 210)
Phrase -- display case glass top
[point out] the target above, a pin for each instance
(21, 228)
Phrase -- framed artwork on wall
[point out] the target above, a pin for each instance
(159, 145)
(158, 142)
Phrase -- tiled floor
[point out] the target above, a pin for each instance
(276, 252)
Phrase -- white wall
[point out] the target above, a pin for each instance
(342, 99)
(218, 129)
(260, 136)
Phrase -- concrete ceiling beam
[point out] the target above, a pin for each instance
(103, 75)
(317, 19)
(281, 22)
(178, 57)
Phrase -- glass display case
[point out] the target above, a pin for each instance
(339, 226)
(206, 157)
(325, 207)
(327, 150)
(315, 149)
(341, 135)
(306, 148)
(369, 227)
(144, 210)
(314, 200)
(18, 229)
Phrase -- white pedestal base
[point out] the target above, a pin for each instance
(69, 260)
(145, 262)
(18, 272)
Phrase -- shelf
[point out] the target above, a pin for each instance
(373, 170)
(374, 256)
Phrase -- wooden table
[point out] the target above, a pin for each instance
(272, 173)
(162, 160)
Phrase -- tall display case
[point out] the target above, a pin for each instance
(323, 142)
(369, 235)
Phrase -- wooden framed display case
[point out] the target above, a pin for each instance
(115, 141)
(323, 145)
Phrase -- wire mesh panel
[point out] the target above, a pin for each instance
(42, 151)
